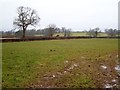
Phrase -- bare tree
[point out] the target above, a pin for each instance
(63, 29)
(97, 30)
(111, 32)
(26, 17)
(50, 30)
(93, 32)
(66, 32)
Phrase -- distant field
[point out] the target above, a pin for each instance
(77, 34)
(73, 34)
(80, 34)
(59, 63)
(84, 34)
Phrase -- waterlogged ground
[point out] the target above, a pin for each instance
(87, 73)
(74, 63)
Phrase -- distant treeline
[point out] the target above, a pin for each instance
(52, 30)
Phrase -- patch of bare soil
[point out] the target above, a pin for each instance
(108, 72)
(104, 71)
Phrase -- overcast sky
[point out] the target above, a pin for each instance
(74, 14)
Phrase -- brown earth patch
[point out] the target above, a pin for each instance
(101, 71)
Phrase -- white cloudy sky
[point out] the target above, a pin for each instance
(74, 14)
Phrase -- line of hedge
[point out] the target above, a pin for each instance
(48, 38)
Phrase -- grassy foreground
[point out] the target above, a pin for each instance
(57, 63)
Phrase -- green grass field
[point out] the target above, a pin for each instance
(57, 63)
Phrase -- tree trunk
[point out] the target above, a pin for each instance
(96, 33)
(23, 36)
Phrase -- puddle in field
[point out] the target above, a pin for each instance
(72, 67)
(66, 61)
(113, 83)
(61, 73)
(108, 77)
(103, 66)
(114, 80)
(108, 86)
(117, 68)
(53, 76)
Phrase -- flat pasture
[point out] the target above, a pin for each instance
(74, 63)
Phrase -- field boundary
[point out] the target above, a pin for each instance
(49, 38)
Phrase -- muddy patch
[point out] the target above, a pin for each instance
(109, 75)
(104, 71)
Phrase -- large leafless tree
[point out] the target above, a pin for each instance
(26, 17)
